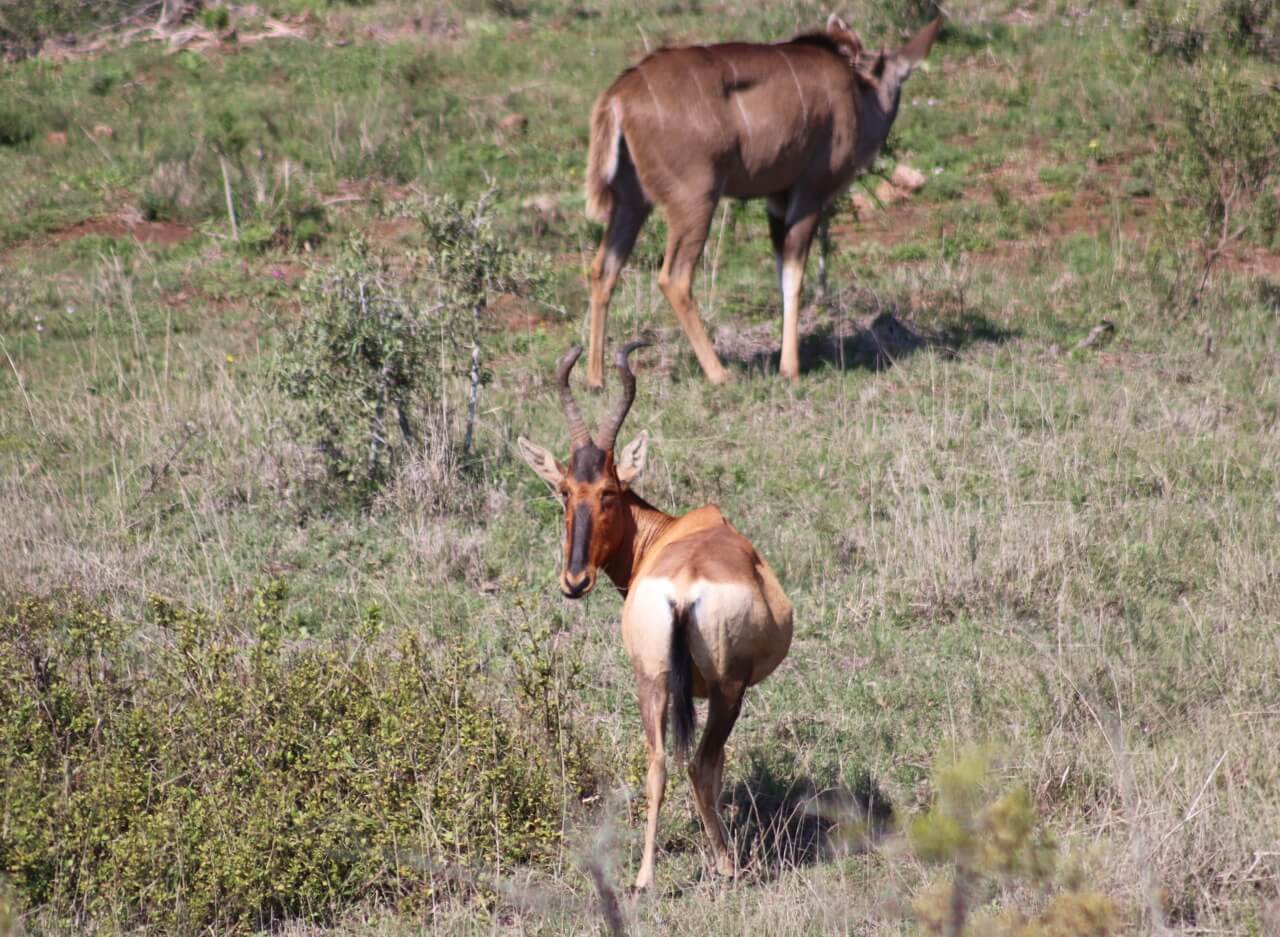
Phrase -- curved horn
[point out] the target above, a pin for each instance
(579, 435)
(609, 432)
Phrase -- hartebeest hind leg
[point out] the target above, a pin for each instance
(706, 769)
(630, 210)
(686, 235)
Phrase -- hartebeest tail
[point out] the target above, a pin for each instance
(790, 122)
(704, 614)
(684, 719)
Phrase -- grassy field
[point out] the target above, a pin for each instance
(999, 534)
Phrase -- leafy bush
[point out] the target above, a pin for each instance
(16, 126)
(1188, 29)
(228, 778)
(369, 361)
(24, 25)
(365, 350)
(984, 836)
(1222, 160)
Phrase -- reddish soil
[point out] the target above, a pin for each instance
(517, 314)
(163, 233)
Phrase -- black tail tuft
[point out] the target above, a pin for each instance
(680, 681)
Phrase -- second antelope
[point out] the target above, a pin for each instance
(790, 122)
(703, 614)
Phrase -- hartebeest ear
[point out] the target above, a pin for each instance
(630, 463)
(542, 462)
(914, 52)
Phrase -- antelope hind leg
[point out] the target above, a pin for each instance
(706, 769)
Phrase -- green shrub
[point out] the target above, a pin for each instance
(16, 125)
(227, 778)
(982, 837)
(216, 18)
(25, 24)
(1222, 161)
(361, 364)
(1188, 29)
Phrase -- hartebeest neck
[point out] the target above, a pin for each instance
(644, 525)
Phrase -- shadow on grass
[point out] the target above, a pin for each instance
(780, 823)
(857, 329)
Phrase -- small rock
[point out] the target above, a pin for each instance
(888, 193)
(544, 205)
(55, 138)
(103, 132)
(863, 207)
(514, 123)
(904, 177)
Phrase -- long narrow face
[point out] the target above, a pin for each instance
(592, 486)
(595, 516)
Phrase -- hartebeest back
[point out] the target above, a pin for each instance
(791, 122)
(704, 615)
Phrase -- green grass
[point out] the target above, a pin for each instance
(1067, 553)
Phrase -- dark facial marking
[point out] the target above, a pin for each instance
(581, 535)
(586, 464)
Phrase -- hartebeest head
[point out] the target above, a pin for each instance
(594, 481)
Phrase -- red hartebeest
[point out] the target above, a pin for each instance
(791, 122)
(703, 613)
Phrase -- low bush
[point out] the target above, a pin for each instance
(1222, 162)
(1188, 29)
(211, 772)
(985, 840)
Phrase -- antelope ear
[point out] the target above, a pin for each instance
(915, 51)
(542, 462)
(630, 464)
(844, 37)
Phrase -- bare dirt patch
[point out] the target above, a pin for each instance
(161, 233)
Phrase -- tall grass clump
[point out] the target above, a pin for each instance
(208, 772)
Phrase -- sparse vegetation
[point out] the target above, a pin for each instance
(994, 529)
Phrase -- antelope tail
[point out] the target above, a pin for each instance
(602, 157)
(680, 680)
